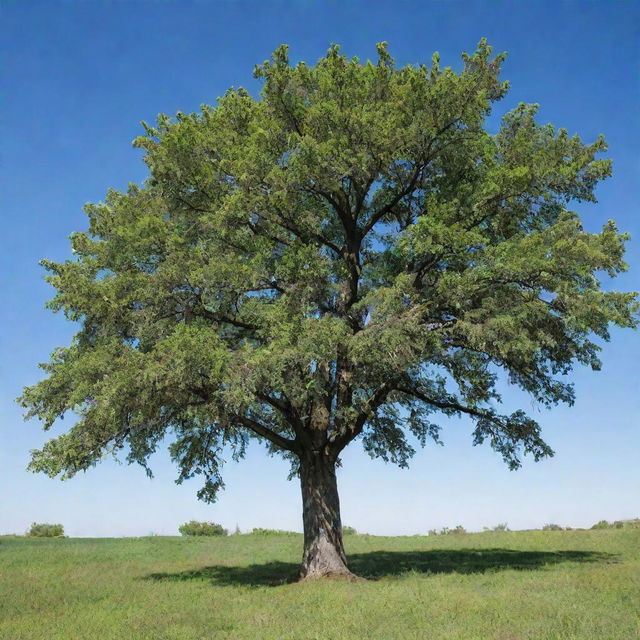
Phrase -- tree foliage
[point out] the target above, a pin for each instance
(344, 258)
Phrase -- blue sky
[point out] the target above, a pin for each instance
(77, 79)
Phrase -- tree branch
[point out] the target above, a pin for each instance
(286, 224)
(340, 440)
(288, 412)
(446, 405)
(219, 317)
(420, 166)
(265, 432)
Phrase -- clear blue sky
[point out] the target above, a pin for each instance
(78, 77)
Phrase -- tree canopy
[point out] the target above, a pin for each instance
(346, 257)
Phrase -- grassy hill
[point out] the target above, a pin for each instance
(502, 585)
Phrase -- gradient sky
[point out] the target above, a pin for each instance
(77, 79)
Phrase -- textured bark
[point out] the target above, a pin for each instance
(323, 550)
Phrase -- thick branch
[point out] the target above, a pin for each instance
(446, 405)
(254, 425)
(301, 234)
(342, 439)
(347, 220)
(289, 413)
(378, 215)
(219, 317)
(265, 432)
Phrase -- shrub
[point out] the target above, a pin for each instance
(618, 524)
(259, 531)
(552, 527)
(195, 528)
(44, 530)
(445, 531)
(502, 526)
(349, 531)
(456, 530)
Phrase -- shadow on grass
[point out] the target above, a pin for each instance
(380, 564)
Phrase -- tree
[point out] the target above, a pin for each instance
(338, 260)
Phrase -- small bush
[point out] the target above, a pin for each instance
(445, 531)
(349, 531)
(455, 530)
(259, 531)
(618, 524)
(501, 526)
(44, 530)
(552, 527)
(195, 528)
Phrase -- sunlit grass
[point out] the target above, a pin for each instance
(503, 585)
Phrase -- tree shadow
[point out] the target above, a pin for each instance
(270, 574)
(379, 564)
(384, 563)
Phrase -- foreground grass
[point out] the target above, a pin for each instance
(507, 585)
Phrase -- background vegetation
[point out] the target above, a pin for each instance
(195, 528)
(43, 530)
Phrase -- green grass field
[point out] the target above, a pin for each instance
(508, 586)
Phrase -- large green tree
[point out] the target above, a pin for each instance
(338, 260)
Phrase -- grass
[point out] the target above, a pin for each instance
(503, 585)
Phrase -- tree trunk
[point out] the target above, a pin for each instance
(323, 550)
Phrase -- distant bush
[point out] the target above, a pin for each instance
(552, 527)
(445, 531)
(195, 528)
(502, 526)
(259, 531)
(44, 530)
(349, 531)
(455, 530)
(618, 524)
